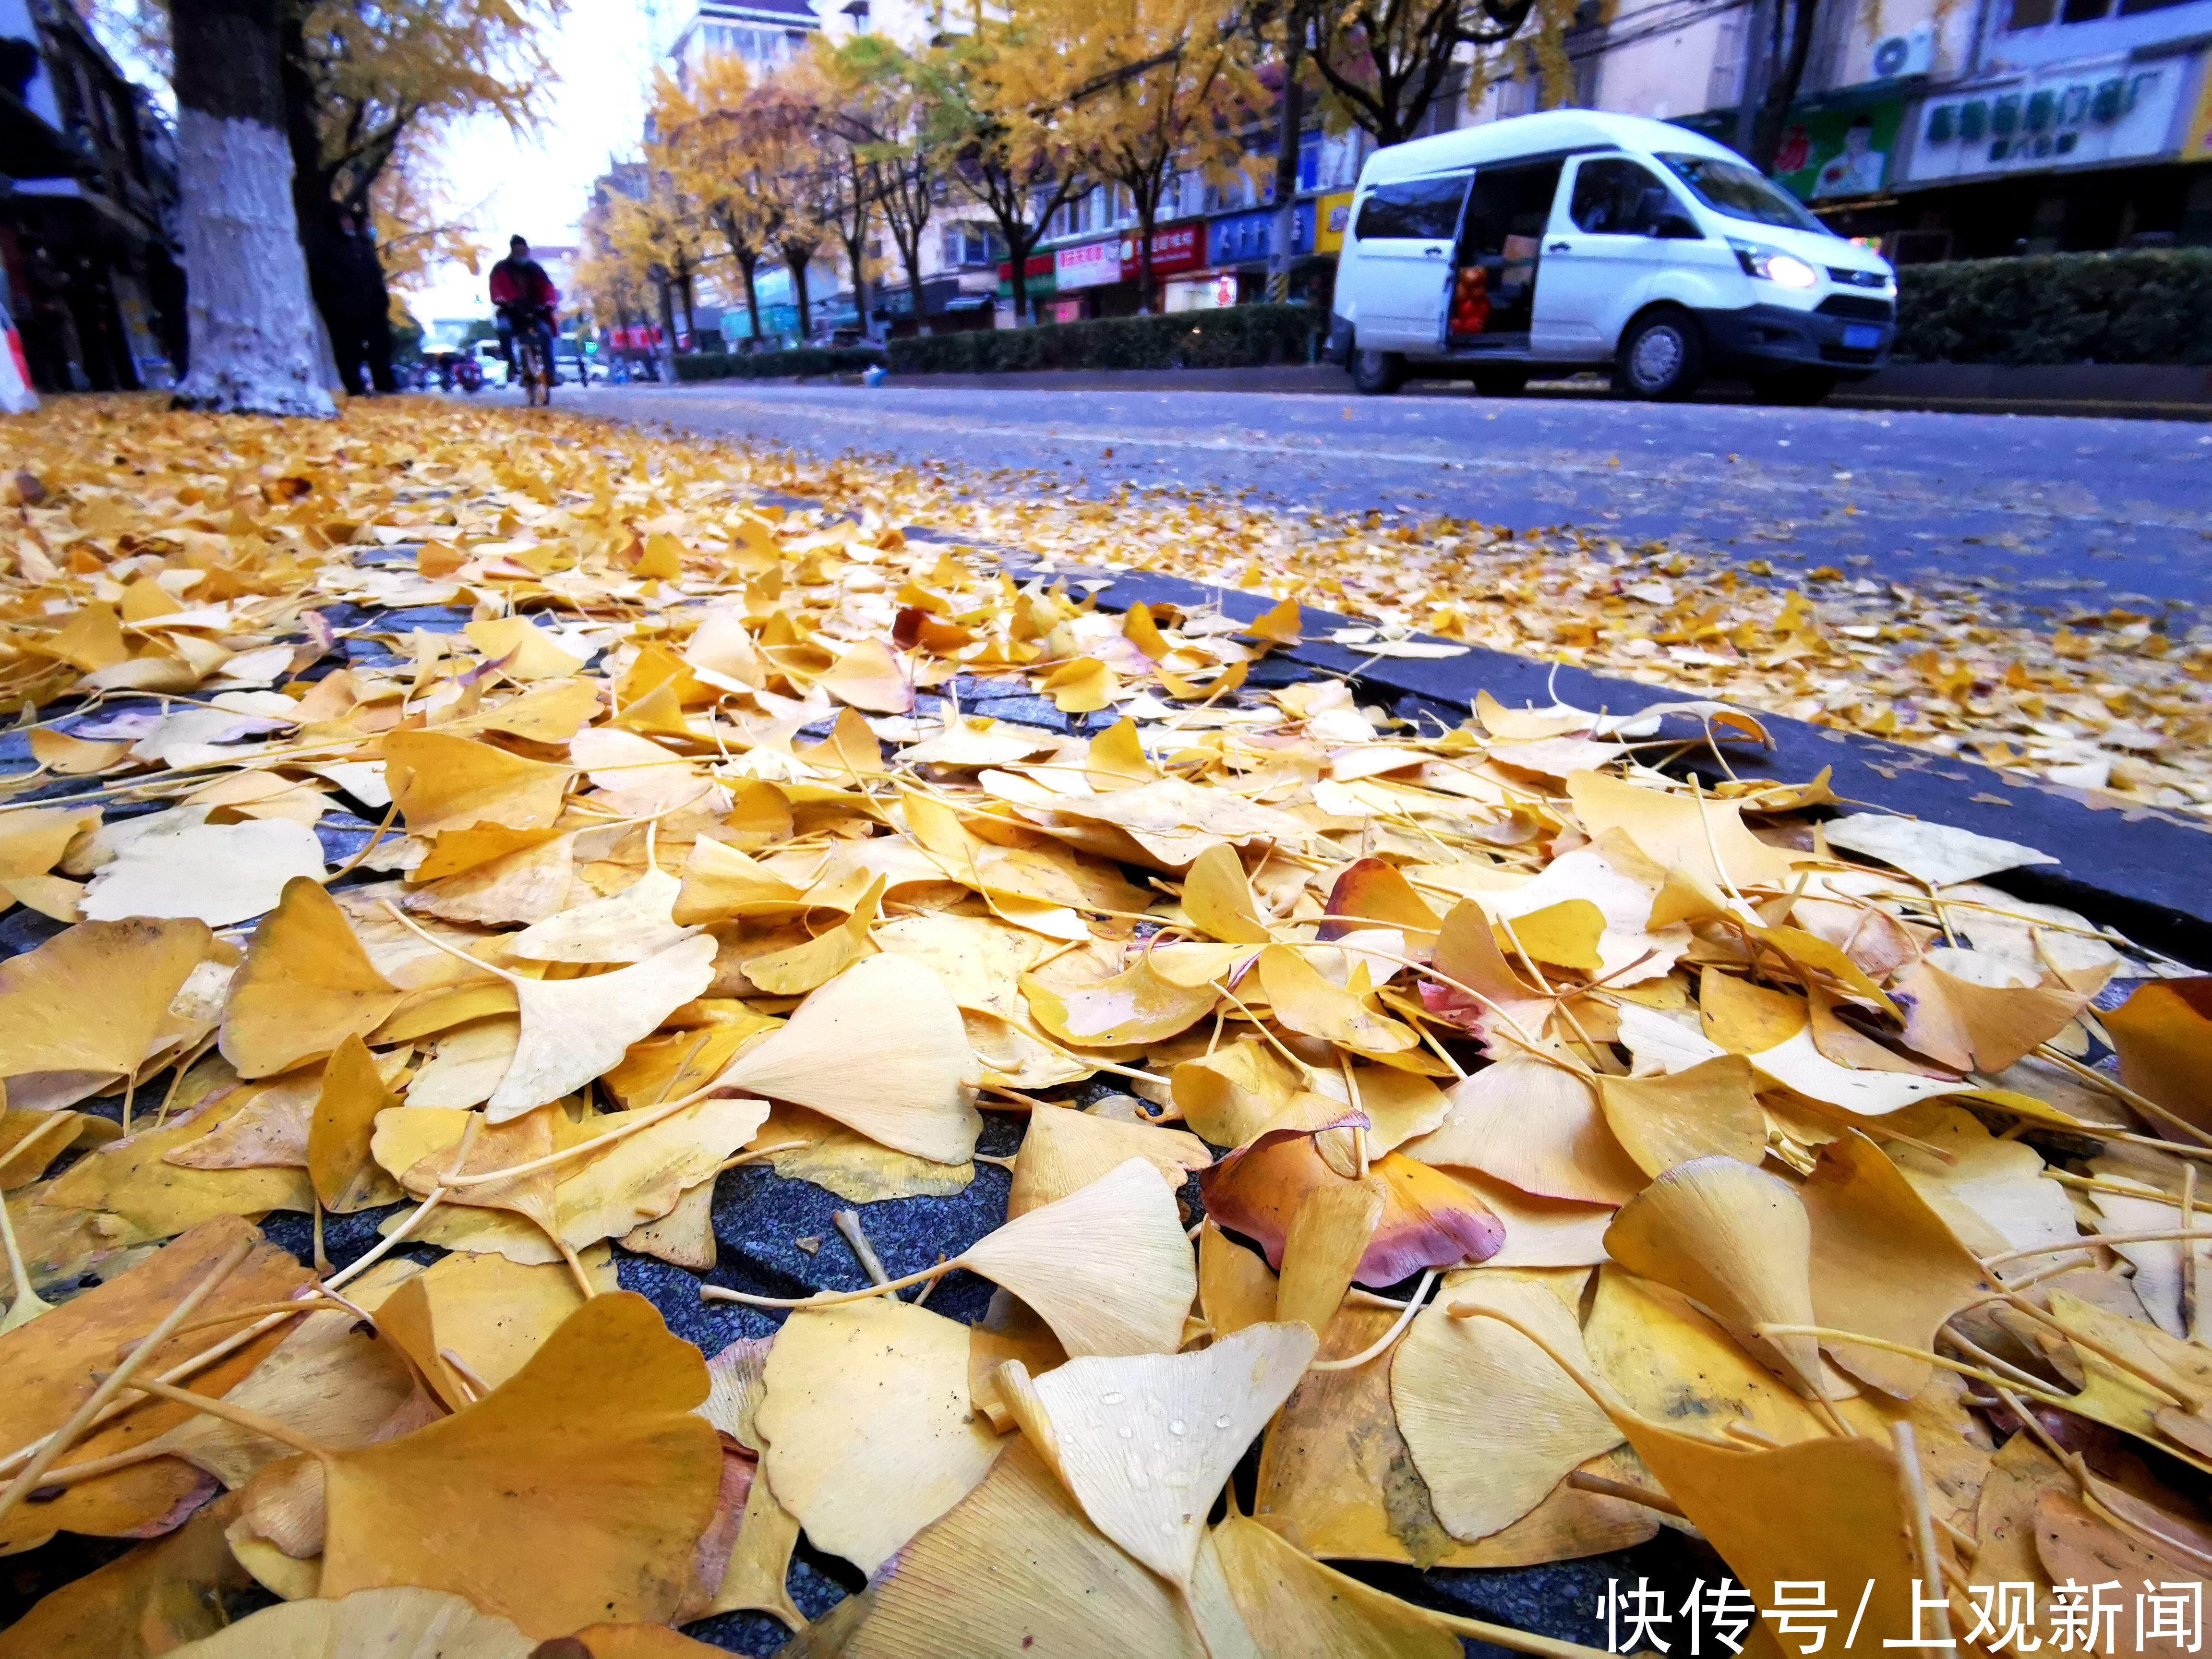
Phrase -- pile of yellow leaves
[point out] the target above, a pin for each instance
(1578, 1153)
(2110, 703)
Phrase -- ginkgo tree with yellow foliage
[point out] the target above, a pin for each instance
(1155, 88)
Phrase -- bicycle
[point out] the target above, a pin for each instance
(534, 364)
(534, 357)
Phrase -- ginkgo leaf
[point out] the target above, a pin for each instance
(523, 650)
(472, 1321)
(351, 1093)
(1536, 1126)
(625, 926)
(1799, 1065)
(1138, 1005)
(1146, 1442)
(1829, 1503)
(1323, 1248)
(400, 1623)
(1933, 853)
(575, 1029)
(1428, 1219)
(1883, 1263)
(1107, 1267)
(1064, 1151)
(1976, 1013)
(94, 998)
(1493, 1425)
(470, 1060)
(2161, 1032)
(1306, 1002)
(306, 985)
(869, 677)
(1218, 899)
(1680, 830)
(1736, 1241)
(1230, 1094)
(528, 884)
(443, 783)
(720, 882)
(1116, 758)
(331, 1378)
(1707, 1111)
(544, 1503)
(1745, 1018)
(870, 1437)
(1297, 1609)
(54, 1362)
(814, 964)
(880, 1048)
(1055, 1583)
(156, 1598)
(219, 874)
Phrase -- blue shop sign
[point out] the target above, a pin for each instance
(1244, 237)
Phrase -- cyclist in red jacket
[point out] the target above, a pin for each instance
(525, 297)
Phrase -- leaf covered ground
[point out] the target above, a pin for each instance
(470, 872)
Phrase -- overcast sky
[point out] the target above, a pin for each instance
(538, 184)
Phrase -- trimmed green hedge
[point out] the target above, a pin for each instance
(1240, 337)
(2144, 306)
(776, 365)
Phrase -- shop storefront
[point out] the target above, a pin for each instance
(1177, 250)
(1080, 274)
(1038, 281)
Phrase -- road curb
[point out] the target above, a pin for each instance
(2135, 868)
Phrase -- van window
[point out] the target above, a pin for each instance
(1732, 188)
(1616, 196)
(1417, 208)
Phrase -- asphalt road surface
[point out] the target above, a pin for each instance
(2049, 515)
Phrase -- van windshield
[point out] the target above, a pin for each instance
(1732, 188)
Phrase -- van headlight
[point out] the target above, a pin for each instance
(1772, 265)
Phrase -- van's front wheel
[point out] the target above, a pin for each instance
(1662, 356)
(1377, 374)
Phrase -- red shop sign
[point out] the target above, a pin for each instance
(1037, 265)
(1175, 247)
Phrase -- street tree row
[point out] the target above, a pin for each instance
(1035, 104)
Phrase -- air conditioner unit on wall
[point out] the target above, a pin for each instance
(1912, 53)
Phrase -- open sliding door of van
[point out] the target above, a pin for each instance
(1405, 232)
(1500, 245)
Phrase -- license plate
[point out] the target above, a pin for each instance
(1862, 337)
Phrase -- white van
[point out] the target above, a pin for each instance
(1576, 239)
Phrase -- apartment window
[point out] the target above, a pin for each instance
(972, 244)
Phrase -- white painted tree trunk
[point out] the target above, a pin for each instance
(253, 346)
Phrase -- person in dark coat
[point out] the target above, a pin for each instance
(357, 306)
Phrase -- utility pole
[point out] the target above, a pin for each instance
(1757, 67)
(1290, 130)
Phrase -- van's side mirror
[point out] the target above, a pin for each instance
(1678, 226)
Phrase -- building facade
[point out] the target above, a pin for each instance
(88, 209)
(1946, 130)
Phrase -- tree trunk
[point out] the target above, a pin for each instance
(667, 322)
(1289, 129)
(1019, 247)
(913, 257)
(746, 263)
(856, 258)
(1757, 60)
(1782, 91)
(797, 265)
(1148, 213)
(253, 335)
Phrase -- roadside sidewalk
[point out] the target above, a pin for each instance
(2124, 390)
